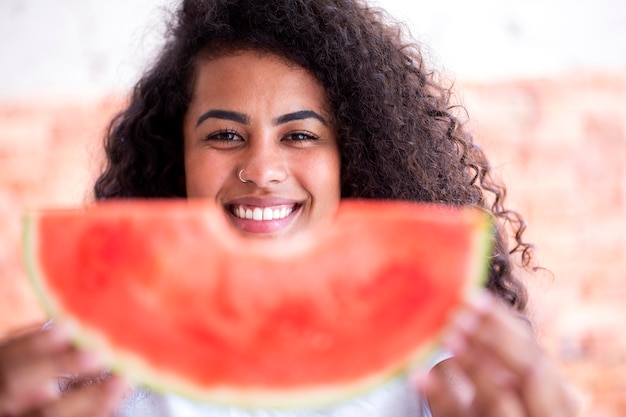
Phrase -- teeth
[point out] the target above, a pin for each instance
(259, 214)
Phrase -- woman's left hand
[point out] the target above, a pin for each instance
(497, 369)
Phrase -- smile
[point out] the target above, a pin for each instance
(261, 213)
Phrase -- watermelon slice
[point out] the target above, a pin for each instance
(176, 299)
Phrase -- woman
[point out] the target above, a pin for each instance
(277, 109)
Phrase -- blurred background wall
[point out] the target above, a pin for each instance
(544, 82)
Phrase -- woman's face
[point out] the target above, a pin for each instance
(266, 118)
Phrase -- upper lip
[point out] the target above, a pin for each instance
(262, 201)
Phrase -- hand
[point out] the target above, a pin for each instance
(497, 369)
(30, 368)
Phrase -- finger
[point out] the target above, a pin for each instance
(494, 393)
(71, 361)
(447, 391)
(16, 403)
(31, 382)
(36, 383)
(490, 324)
(34, 344)
(25, 330)
(17, 355)
(46, 352)
(507, 343)
(95, 400)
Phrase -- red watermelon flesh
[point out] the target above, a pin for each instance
(177, 300)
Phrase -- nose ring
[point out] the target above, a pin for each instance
(241, 178)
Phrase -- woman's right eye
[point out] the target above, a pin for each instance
(224, 136)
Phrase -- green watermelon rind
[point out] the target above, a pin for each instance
(138, 371)
(483, 247)
(29, 254)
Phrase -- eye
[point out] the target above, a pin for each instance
(302, 136)
(224, 136)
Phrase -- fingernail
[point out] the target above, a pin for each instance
(48, 325)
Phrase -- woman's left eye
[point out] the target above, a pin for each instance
(300, 136)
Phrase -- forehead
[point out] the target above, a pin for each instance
(251, 65)
(251, 77)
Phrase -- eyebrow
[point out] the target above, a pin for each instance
(299, 115)
(224, 115)
(245, 119)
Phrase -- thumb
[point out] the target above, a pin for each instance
(445, 390)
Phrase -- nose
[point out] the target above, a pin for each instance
(264, 164)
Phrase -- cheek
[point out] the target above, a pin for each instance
(202, 176)
(324, 178)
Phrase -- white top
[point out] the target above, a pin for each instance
(394, 399)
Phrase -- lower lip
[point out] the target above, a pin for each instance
(262, 226)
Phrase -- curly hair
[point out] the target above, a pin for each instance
(399, 137)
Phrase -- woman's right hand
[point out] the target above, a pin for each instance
(31, 366)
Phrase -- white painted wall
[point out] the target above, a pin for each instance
(75, 47)
(482, 39)
(94, 47)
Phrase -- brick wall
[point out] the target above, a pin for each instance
(559, 144)
(49, 154)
